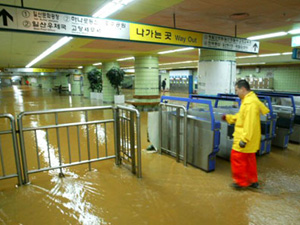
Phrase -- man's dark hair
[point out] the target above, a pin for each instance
(243, 83)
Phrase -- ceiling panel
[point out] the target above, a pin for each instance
(18, 49)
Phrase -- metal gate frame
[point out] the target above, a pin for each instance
(125, 128)
(13, 133)
(178, 109)
(116, 132)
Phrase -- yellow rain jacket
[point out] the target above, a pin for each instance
(247, 123)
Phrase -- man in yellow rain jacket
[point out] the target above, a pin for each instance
(247, 135)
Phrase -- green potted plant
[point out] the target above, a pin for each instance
(115, 76)
(95, 79)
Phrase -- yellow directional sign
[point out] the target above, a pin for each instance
(41, 70)
(148, 33)
(13, 18)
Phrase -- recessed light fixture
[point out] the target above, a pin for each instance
(54, 47)
(265, 36)
(267, 55)
(175, 50)
(248, 56)
(296, 31)
(111, 7)
(125, 59)
(97, 64)
(239, 16)
(105, 11)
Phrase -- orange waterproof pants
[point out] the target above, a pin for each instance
(243, 167)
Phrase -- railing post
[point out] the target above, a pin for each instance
(160, 128)
(139, 154)
(61, 174)
(16, 149)
(177, 134)
(88, 139)
(117, 135)
(132, 143)
(22, 146)
(184, 137)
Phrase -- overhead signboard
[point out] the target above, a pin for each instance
(149, 33)
(23, 19)
(14, 18)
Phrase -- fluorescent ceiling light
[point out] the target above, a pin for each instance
(266, 55)
(124, 59)
(80, 67)
(96, 64)
(178, 62)
(248, 56)
(257, 63)
(57, 45)
(264, 36)
(296, 31)
(176, 50)
(287, 53)
(110, 8)
(129, 70)
(103, 12)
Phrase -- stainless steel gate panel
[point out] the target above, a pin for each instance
(295, 136)
(282, 137)
(200, 142)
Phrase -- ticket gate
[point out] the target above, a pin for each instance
(226, 139)
(295, 136)
(202, 137)
(285, 118)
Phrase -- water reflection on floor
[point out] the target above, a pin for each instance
(168, 193)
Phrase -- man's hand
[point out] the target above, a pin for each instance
(223, 117)
(242, 144)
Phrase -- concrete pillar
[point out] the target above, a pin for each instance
(46, 83)
(86, 83)
(146, 93)
(108, 91)
(146, 75)
(75, 82)
(216, 72)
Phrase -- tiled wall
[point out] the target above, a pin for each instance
(209, 55)
(286, 78)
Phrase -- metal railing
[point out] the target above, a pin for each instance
(58, 157)
(170, 108)
(128, 139)
(7, 150)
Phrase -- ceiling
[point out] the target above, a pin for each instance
(213, 16)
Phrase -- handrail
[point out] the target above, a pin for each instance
(199, 101)
(280, 95)
(261, 97)
(217, 98)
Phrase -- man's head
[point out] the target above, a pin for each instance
(242, 88)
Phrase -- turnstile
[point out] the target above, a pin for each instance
(226, 139)
(202, 137)
(285, 118)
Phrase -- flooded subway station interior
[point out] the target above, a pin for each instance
(167, 193)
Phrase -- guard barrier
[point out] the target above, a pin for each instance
(12, 147)
(62, 142)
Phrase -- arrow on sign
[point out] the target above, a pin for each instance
(255, 47)
(5, 14)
